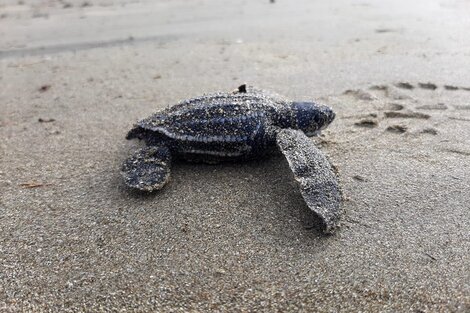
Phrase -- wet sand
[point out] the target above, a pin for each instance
(235, 237)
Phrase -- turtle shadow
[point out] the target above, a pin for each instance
(285, 191)
(269, 178)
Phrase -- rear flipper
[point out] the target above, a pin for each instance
(318, 182)
(148, 169)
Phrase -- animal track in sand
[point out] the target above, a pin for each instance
(429, 86)
(430, 131)
(394, 114)
(392, 92)
(465, 153)
(369, 123)
(360, 94)
(455, 118)
(404, 85)
(439, 106)
(397, 129)
(394, 107)
(368, 115)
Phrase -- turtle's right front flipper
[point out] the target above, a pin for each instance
(318, 182)
(148, 168)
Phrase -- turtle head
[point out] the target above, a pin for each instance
(310, 117)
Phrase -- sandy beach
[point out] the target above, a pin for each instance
(76, 75)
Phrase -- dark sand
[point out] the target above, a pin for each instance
(234, 236)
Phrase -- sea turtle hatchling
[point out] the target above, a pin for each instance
(244, 124)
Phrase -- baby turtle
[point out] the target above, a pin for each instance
(244, 124)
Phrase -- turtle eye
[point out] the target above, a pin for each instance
(323, 116)
(330, 115)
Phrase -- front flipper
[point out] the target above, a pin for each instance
(147, 169)
(318, 182)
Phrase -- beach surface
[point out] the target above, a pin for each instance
(75, 76)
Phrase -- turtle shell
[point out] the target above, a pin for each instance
(226, 125)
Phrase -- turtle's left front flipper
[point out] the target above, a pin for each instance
(148, 169)
(318, 182)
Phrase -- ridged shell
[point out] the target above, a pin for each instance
(228, 124)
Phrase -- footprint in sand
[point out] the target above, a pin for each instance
(429, 86)
(393, 93)
(430, 131)
(360, 94)
(409, 114)
(397, 129)
(369, 123)
(439, 106)
(398, 102)
(394, 107)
